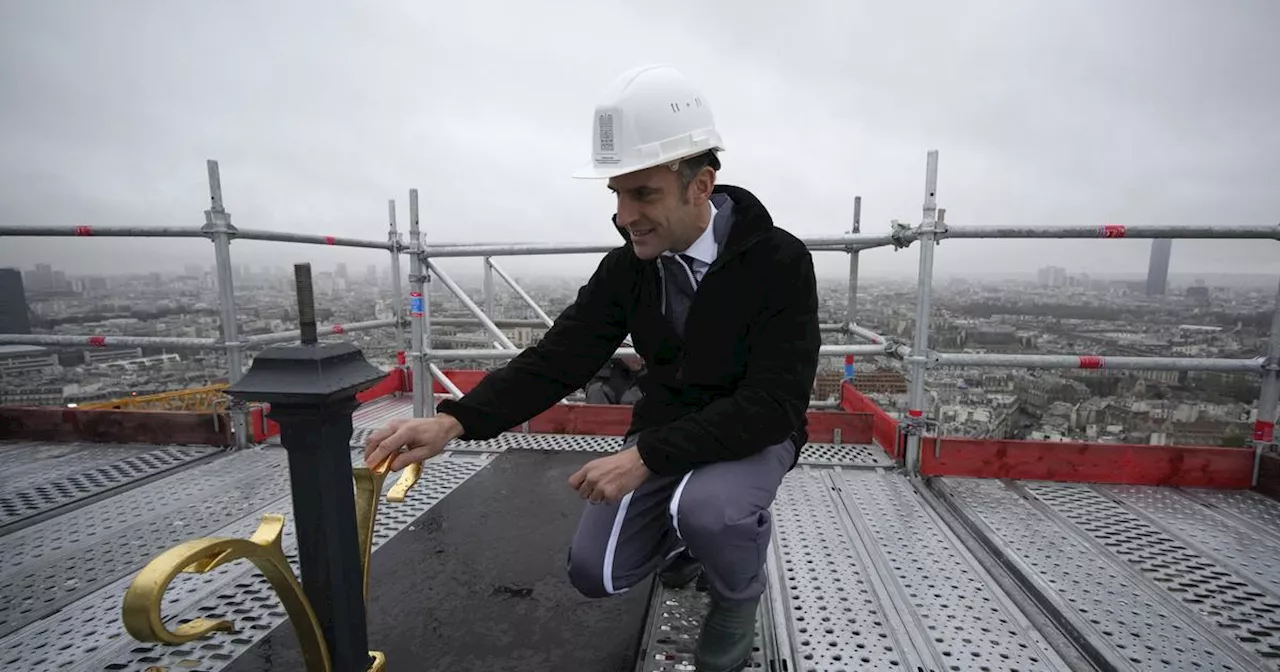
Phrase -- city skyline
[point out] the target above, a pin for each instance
(1089, 113)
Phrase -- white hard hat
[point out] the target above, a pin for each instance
(649, 116)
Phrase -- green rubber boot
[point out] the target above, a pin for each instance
(727, 638)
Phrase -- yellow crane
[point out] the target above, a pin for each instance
(205, 399)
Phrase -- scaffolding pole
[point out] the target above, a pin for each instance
(851, 301)
(329, 330)
(84, 231)
(218, 226)
(109, 341)
(490, 306)
(818, 244)
(915, 423)
(310, 239)
(419, 315)
(1264, 425)
(1263, 231)
(510, 353)
(864, 333)
(397, 302)
(444, 381)
(492, 266)
(473, 322)
(941, 359)
(470, 305)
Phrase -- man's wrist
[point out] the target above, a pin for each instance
(455, 428)
(635, 451)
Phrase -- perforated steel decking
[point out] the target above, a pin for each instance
(1149, 578)
(864, 572)
(62, 579)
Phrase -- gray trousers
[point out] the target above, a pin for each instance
(719, 512)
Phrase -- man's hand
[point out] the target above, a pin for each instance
(420, 438)
(609, 479)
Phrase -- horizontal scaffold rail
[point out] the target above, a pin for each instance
(510, 353)
(1251, 365)
(842, 243)
(109, 341)
(330, 330)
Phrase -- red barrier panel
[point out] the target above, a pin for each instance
(1132, 464)
(392, 383)
(464, 379)
(111, 426)
(854, 427)
(884, 429)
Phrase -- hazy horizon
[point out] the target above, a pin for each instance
(1076, 113)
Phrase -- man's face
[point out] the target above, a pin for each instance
(657, 214)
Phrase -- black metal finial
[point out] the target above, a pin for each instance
(306, 303)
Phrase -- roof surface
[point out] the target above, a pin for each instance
(868, 570)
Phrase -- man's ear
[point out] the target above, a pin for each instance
(706, 181)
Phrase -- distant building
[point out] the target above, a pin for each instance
(14, 313)
(1052, 276)
(885, 381)
(826, 384)
(1158, 269)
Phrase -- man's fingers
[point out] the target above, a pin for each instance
(409, 457)
(371, 443)
(575, 481)
(387, 446)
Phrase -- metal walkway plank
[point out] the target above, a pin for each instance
(379, 412)
(825, 602)
(88, 635)
(1221, 571)
(675, 619)
(80, 473)
(57, 561)
(966, 621)
(1078, 549)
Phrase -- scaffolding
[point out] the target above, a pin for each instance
(859, 341)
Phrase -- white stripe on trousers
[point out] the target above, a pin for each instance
(612, 546)
(674, 509)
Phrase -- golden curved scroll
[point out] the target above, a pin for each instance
(141, 611)
(142, 619)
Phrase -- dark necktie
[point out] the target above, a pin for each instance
(680, 289)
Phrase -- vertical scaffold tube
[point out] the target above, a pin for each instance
(419, 309)
(1264, 426)
(217, 225)
(397, 305)
(851, 300)
(920, 344)
(489, 304)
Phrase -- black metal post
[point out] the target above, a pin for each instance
(311, 388)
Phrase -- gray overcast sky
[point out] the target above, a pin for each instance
(1080, 112)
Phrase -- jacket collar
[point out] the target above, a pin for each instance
(750, 220)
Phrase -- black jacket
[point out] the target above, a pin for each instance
(739, 381)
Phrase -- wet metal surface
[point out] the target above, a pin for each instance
(479, 584)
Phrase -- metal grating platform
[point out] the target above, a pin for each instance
(828, 454)
(874, 580)
(1151, 578)
(86, 632)
(675, 617)
(863, 572)
(40, 477)
(379, 412)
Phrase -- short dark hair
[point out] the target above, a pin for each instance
(689, 168)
